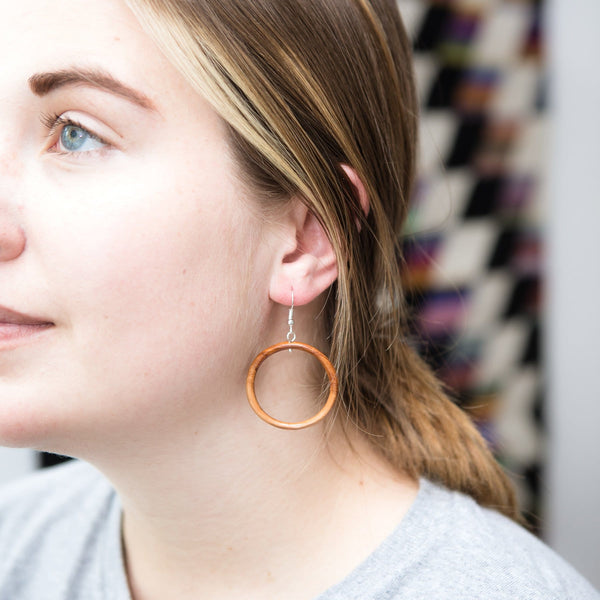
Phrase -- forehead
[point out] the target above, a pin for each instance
(47, 35)
(62, 25)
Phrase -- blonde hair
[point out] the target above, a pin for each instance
(306, 86)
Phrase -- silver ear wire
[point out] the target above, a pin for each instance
(291, 335)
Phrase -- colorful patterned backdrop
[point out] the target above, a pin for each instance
(474, 246)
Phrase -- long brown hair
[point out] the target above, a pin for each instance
(307, 86)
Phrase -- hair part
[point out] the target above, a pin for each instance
(306, 86)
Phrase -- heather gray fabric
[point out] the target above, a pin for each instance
(60, 540)
(60, 537)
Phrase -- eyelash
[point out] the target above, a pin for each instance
(53, 122)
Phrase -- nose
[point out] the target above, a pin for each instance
(12, 235)
(12, 238)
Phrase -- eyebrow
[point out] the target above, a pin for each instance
(42, 84)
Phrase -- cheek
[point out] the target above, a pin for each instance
(146, 258)
(148, 290)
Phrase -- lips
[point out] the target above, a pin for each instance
(11, 317)
(16, 326)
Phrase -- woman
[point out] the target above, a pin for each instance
(184, 184)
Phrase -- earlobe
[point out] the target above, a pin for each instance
(310, 267)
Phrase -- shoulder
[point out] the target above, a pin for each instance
(56, 527)
(450, 548)
(479, 552)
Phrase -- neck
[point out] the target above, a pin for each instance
(247, 508)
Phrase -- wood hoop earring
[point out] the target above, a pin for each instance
(329, 369)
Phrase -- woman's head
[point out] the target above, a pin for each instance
(147, 211)
(147, 219)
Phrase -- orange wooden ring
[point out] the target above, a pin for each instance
(333, 384)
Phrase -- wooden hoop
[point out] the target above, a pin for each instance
(333, 384)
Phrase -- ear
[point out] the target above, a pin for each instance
(359, 190)
(307, 262)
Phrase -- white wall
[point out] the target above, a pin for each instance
(573, 341)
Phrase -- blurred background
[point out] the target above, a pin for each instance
(475, 235)
(501, 245)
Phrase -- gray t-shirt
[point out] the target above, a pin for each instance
(60, 540)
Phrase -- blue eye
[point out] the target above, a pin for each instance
(74, 138)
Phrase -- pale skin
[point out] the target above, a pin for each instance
(158, 280)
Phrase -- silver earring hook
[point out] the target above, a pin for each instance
(291, 335)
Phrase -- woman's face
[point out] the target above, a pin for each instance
(123, 225)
